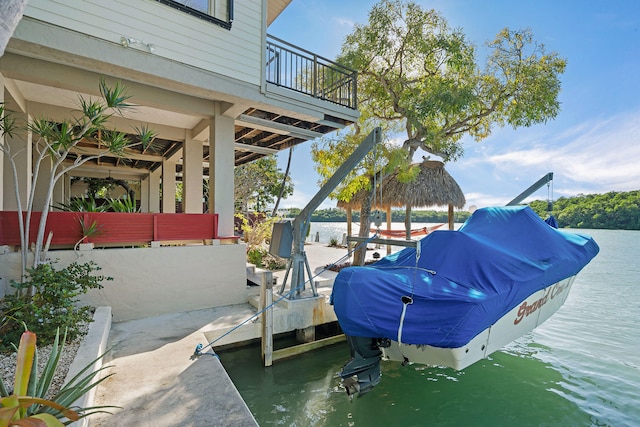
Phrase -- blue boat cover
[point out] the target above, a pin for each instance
(462, 282)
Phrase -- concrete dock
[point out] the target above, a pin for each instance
(156, 383)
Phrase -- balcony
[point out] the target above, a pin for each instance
(297, 69)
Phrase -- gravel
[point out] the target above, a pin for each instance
(8, 364)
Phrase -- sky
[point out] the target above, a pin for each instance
(592, 146)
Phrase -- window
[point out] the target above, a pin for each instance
(219, 12)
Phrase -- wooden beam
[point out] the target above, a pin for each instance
(276, 127)
(303, 348)
(266, 300)
(132, 155)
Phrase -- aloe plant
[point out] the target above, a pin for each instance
(123, 204)
(81, 204)
(27, 405)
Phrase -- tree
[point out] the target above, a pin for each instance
(416, 71)
(259, 183)
(413, 68)
(330, 152)
(57, 142)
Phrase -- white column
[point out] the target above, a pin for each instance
(192, 176)
(154, 190)
(168, 186)
(5, 182)
(221, 163)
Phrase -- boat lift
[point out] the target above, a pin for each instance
(288, 235)
(529, 191)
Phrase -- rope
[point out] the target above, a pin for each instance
(405, 301)
(199, 348)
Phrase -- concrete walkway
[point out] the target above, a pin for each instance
(155, 383)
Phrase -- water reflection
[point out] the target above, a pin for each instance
(508, 388)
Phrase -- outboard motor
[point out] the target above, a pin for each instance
(362, 372)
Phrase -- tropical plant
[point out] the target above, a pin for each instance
(81, 204)
(257, 234)
(55, 142)
(256, 229)
(88, 230)
(48, 301)
(28, 404)
(123, 204)
(256, 254)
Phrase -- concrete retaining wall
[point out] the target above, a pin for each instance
(155, 281)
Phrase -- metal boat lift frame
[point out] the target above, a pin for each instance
(298, 263)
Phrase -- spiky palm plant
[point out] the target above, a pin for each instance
(28, 405)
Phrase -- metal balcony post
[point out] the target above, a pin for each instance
(315, 75)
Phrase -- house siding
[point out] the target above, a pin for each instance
(174, 34)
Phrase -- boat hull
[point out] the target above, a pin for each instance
(523, 318)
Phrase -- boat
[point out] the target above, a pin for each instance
(399, 234)
(458, 296)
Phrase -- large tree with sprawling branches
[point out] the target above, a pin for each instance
(416, 71)
(412, 67)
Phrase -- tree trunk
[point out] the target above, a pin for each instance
(365, 225)
(407, 222)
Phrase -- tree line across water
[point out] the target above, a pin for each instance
(613, 210)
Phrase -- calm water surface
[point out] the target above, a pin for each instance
(580, 368)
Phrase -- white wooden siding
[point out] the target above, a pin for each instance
(174, 34)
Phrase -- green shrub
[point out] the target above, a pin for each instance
(274, 263)
(256, 254)
(46, 302)
(333, 242)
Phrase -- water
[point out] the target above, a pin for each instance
(580, 368)
(336, 230)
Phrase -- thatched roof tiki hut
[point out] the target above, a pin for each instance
(432, 187)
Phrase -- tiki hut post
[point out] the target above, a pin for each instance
(349, 220)
(407, 222)
(450, 216)
(388, 226)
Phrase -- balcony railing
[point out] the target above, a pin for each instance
(113, 228)
(294, 68)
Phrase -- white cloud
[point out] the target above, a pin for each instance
(481, 200)
(344, 22)
(595, 156)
